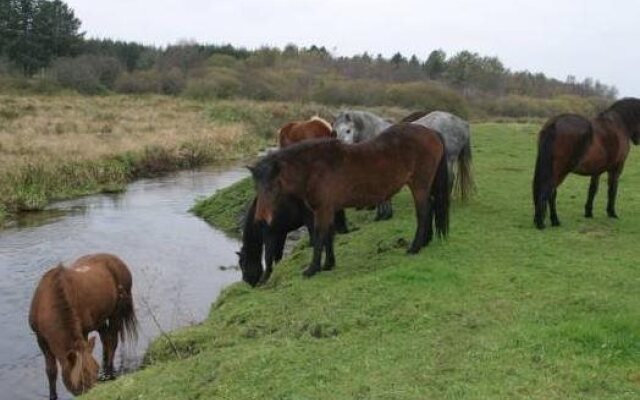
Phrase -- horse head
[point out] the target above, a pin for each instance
(265, 175)
(251, 268)
(80, 369)
(348, 127)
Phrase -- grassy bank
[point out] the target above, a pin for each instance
(55, 147)
(499, 310)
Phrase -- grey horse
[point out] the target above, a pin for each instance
(357, 126)
(457, 140)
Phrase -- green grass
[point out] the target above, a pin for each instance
(497, 311)
(226, 209)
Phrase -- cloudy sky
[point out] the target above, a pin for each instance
(585, 38)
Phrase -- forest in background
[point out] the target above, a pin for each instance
(42, 50)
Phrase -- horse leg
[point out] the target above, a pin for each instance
(421, 202)
(614, 174)
(275, 248)
(323, 219)
(109, 338)
(384, 211)
(429, 230)
(51, 368)
(330, 258)
(340, 222)
(593, 189)
(553, 214)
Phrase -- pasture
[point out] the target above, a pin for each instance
(498, 310)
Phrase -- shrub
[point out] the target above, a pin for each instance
(88, 74)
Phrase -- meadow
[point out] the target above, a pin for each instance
(498, 310)
(66, 145)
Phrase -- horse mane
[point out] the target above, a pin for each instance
(68, 317)
(321, 120)
(628, 109)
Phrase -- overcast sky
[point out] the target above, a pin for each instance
(584, 38)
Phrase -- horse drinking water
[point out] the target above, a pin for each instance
(290, 214)
(93, 294)
(571, 143)
(329, 175)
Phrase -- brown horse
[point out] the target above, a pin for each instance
(314, 128)
(572, 143)
(329, 175)
(93, 294)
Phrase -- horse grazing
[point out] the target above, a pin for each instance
(357, 126)
(571, 143)
(94, 293)
(290, 214)
(329, 175)
(457, 138)
(314, 128)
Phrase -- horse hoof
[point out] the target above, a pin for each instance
(328, 267)
(555, 223)
(613, 215)
(413, 250)
(309, 272)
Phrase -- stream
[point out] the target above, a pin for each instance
(175, 259)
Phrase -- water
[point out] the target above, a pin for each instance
(174, 257)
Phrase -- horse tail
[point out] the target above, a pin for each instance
(464, 181)
(128, 328)
(440, 197)
(543, 175)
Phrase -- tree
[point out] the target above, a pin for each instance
(34, 32)
(436, 64)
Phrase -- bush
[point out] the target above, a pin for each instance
(426, 96)
(88, 74)
(138, 82)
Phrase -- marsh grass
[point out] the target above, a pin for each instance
(497, 311)
(54, 147)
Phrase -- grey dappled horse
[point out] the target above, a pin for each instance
(457, 139)
(357, 126)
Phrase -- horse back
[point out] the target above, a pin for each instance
(100, 281)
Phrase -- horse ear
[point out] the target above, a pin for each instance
(251, 169)
(238, 253)
(92, 343)
(72, 358)
(347, 117)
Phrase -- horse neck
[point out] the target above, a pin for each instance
(71, 332)
(611, 123)
(252, 239)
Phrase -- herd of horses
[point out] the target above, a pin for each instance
(360, 160)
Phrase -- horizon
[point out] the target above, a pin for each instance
(511, 31)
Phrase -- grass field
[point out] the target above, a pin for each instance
(499, 310)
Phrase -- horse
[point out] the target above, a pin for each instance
(589, 147)
(414, 116)
(329, 175)
(457, 138)
(357, 126)
(93, 294)
(290, 214)
(297, 131)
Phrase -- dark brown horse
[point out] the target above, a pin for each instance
(329, 175)
(93, 294)
(314, 128)
(572, 143)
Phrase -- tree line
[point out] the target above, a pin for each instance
(42, 38)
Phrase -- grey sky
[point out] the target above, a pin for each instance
(558, 37)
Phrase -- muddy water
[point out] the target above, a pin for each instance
(175, 259)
